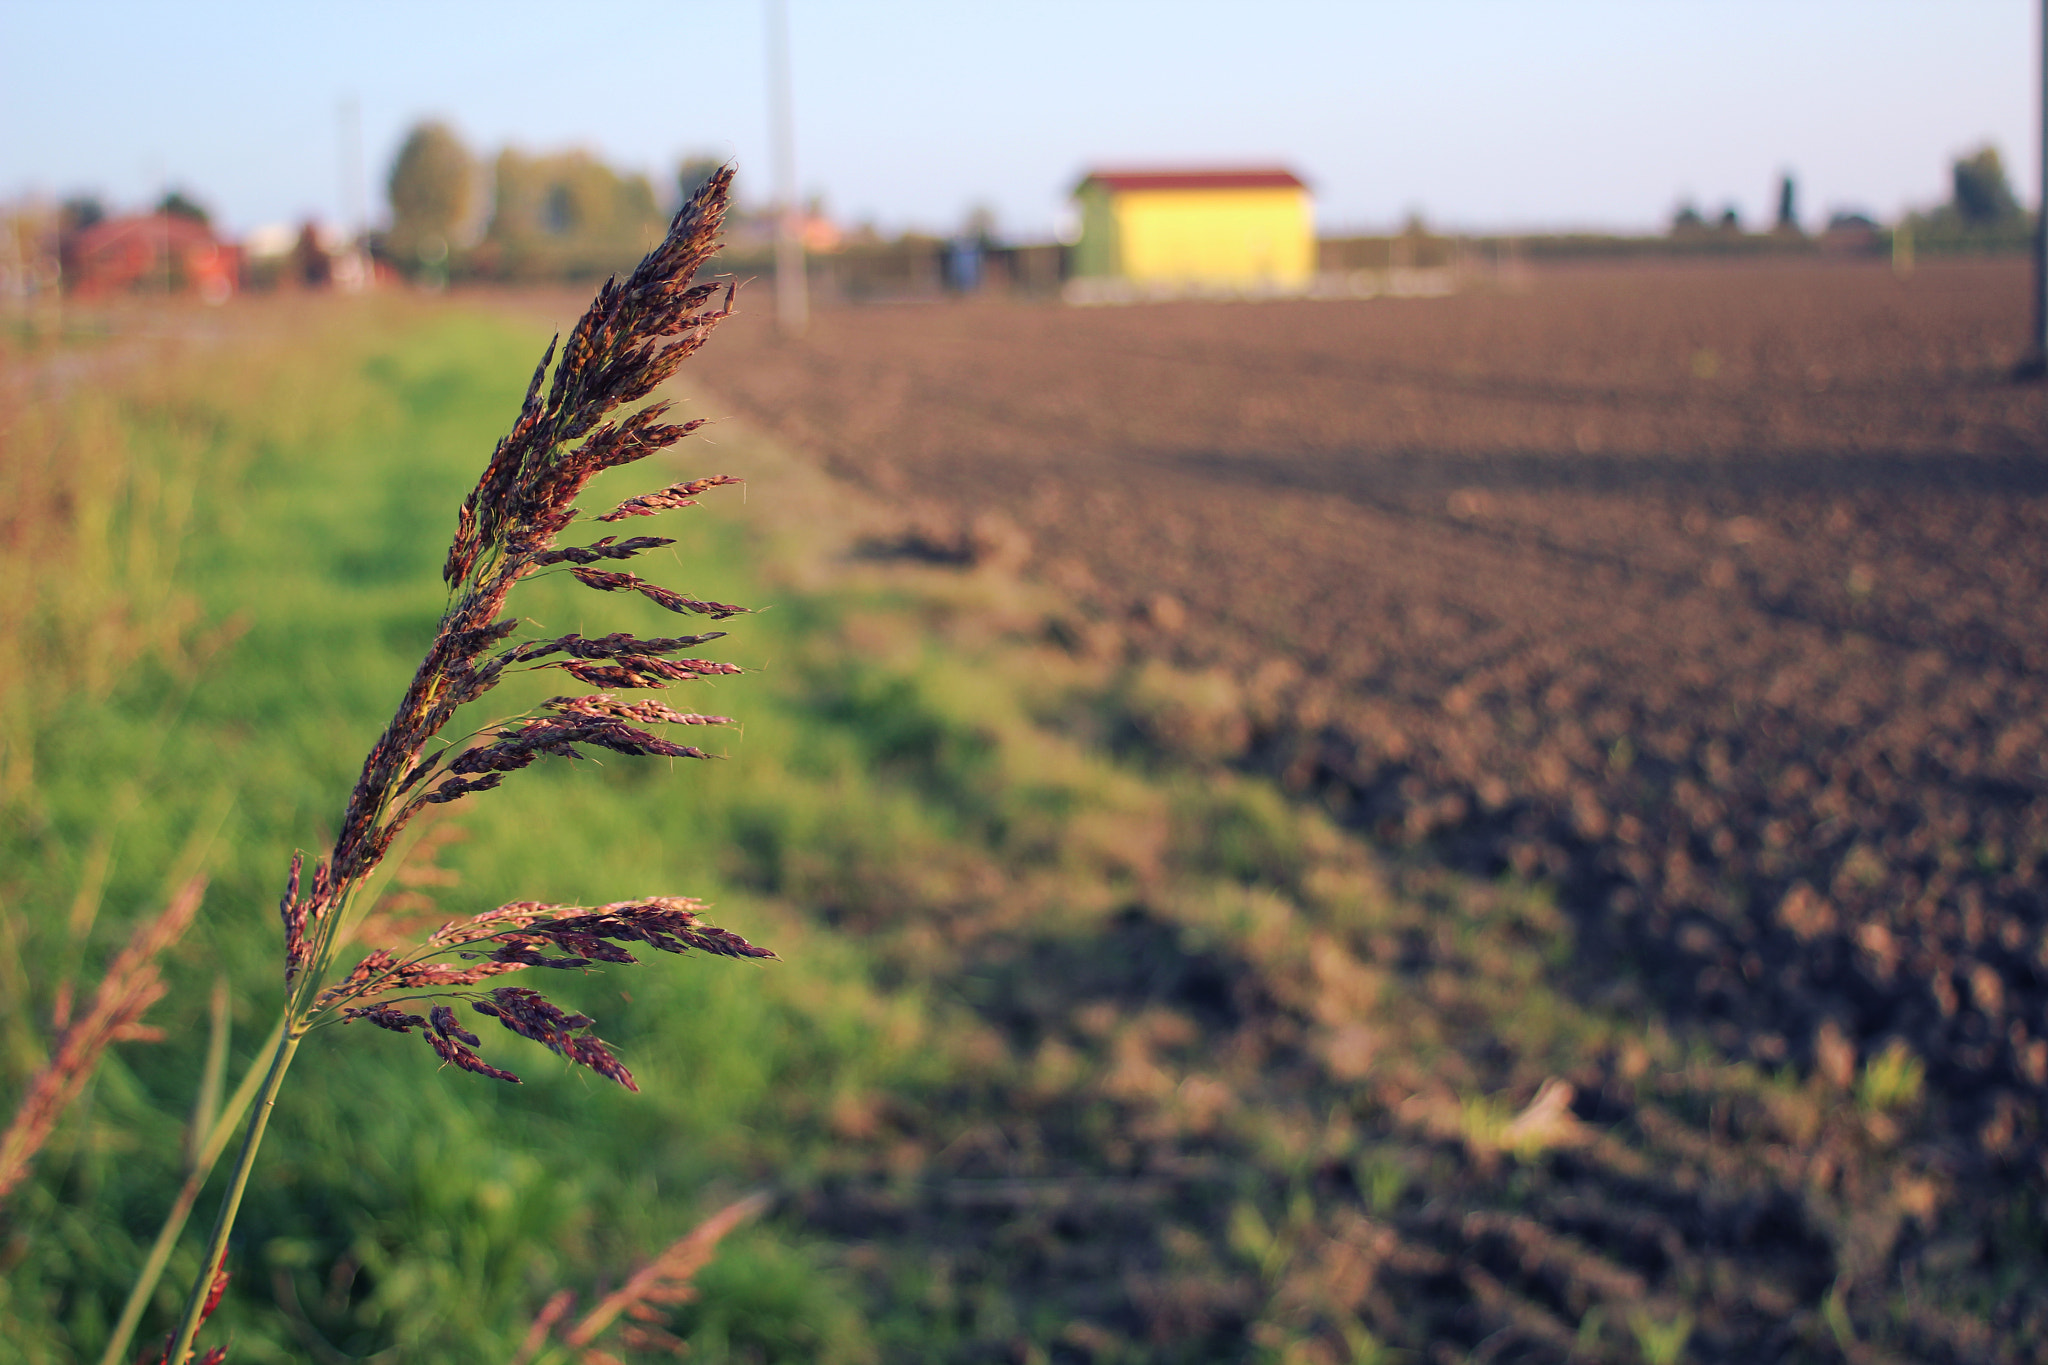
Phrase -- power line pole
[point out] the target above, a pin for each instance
(354, 214)
(2034, 364)
(792, 296)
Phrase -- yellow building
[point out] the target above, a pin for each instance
(1249, 229)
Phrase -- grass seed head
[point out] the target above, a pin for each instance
(293, 912)
(132, 983)
(446, 1027)
(648, 712)
(667, 598)
(676, 495)
(570, 427)
(664, 1281)
(458, 1055)
(531, 1015)
(614, 645)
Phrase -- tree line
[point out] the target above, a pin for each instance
(1982, 212)
(518, 217)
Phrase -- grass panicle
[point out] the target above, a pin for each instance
(570, 428)
(664, 1282)
(633, 338)
(132, 983)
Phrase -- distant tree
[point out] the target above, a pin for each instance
(310, 263)
(1981, 215)
(1983, 196)
(1730, 221)
(980, 225)
(558, 215)
(80, 212)
(1687, 219)
(1788, 204)
(565, 216)
(431, 185)
(178, 204)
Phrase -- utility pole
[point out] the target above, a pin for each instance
(2033, 364)
(354, 219)
(792, 294)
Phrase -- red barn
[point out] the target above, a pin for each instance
(151, 252)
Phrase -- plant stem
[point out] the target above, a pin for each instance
(231, 1202)
(188, 1195)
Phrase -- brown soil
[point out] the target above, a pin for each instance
(1711, 597)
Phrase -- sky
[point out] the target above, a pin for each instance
(1481, 115)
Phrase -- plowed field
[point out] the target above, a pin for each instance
(1711, 599)
(1716, 597)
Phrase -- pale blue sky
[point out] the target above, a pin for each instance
(1480, 113)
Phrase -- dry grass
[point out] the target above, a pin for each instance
(663, 1283)
(132, 983)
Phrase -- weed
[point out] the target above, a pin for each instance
(1383, 1181)
(1892, 1080)
(1662, 1341)
(133, 982)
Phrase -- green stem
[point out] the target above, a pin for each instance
(231, 1202)
(188, 1195)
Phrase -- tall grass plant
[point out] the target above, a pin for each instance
(309, 545)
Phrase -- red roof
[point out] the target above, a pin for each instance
(1234, 178)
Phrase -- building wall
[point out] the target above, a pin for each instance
(151, 253)
(1234, 236)
(1097, 251)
